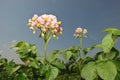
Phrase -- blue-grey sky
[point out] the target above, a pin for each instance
(95, 15)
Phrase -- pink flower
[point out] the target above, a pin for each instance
(34, 17)
(45, 23)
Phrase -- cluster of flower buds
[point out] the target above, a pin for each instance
(46, 23)
(80, 33)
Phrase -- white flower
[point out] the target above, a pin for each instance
(78, 30)
(85, 31)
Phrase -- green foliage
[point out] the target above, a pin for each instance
(89, 71)
(67, 55)
(11, 67)
(107, 43)
(58, 63)
(106, 70)
(52, 73)
(105, 65)
(114, 31)
(52, 56)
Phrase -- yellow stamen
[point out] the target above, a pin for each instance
(49, 24)
(38, 24)
(45, 19)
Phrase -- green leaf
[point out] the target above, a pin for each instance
(34, 63)
(117, 76)
(21, 77)
(117, 32)
(32, 48)
(72, 52)
(52, 56)
(107, 43)
(20, 44)
(14, 69)
(117, 63)
(113, 54)
(52, 73)
(110, 30)
(89, 71)
(99, 56)
(57, 63)
(106, 70)
(67, 55)
(44, 69)
(114, 31)
(11, 68)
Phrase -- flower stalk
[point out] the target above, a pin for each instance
(46, 41)
(80, 47)
(45, 51)
(79, 33)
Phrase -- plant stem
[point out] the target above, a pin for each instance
(45, 48)
(45, 51)
(80, 47)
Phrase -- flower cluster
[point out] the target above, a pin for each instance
(79, 32)
(46, 23)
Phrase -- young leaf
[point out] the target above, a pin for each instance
(106, 70)
(89, 71)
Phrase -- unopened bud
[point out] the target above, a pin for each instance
(59, 22)
(42, 35)
(27, 62)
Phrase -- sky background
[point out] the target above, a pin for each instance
(94, 15)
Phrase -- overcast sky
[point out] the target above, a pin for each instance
(95, 15)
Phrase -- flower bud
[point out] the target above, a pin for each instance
(59, 22)
(54, 35)
(42, 35)
(27, 62)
